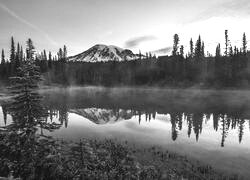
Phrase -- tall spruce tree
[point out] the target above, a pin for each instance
(12, 50)
(65, 53)
(182, 51)
(3, 68)
(175, 45)
(17, 56)
(2, 58)
(218, 51)
(26, 148)
(30, 50)
(231, 53)
(198, 48)
(60, 54)
(244, 44)
(12, 57)
(191, 48)
(226, 43)
(50, 61)
(21, 54)
(26, 106)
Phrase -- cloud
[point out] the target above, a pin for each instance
(163, 50)
(138, 40)
(24, 21)
(232, 8)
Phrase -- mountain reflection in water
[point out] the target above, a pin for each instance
(181, 108)
(211, 126)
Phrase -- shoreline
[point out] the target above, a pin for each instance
(178, 159)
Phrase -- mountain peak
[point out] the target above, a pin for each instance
(104, 53)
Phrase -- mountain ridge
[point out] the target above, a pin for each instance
(103, 116)
(104, 53)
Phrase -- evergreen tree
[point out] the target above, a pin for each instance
(44, 55)
(2, 58)
(3, 66)
(182, 51)
(30, 50)
(21, 55)
(218, 51)
(64, 53)
(12, 50)
(191, 48)
(198, 48)
(60, 54)
(231, 53)
(50, 61)
(226, 42)
(202, 49)
(244, 44)
(241, 129)
(17, 56)
(175, 46)
(12, 57)
(26, 148)
(235, 50)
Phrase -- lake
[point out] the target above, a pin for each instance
(207, 125)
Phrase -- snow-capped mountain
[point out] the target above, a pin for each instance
(103, 116)
(104, 53)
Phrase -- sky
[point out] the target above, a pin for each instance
(146, 25)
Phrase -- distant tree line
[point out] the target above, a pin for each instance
(228, 68)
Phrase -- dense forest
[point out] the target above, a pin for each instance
(229, 67)
(27, 151)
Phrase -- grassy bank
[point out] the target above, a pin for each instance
(111, 160)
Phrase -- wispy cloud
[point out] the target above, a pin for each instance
(131, 43)
(163, 50)
(231, 8)
(24, 21)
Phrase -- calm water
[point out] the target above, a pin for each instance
(211, 126)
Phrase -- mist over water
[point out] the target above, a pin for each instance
(207, 125)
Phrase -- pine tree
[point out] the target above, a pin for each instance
(191, 48)
(231, 53)
(65, 53)
(2, 58)
(60, 54)
(235, 50)
(198, 48)
(12, 57)
(21, 55)
(30, 50)
(218, 51)
(182, 51)
(44, 55)
(244, 44)
(3, 65)
(26, 109)
(175, 46)
(12, 50)
(202, 49)
(226, 42)
(28, 148)
(17, 56)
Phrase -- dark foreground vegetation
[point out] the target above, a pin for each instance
(229, 67)
(27, 152)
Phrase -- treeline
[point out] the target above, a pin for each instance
(228, 68)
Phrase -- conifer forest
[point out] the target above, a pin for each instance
(168, 100)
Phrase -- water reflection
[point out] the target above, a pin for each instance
(193, 121)
(226, 110)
